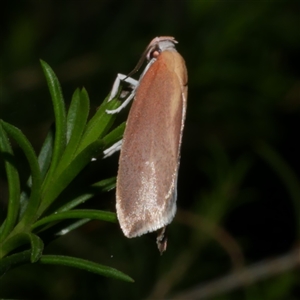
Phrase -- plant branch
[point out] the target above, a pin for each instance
(255, 273)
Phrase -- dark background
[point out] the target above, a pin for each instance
(240, 164)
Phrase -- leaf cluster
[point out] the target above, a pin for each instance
(31, 222)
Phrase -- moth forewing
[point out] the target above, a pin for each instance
(149, 159)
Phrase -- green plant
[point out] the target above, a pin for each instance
(37, 214)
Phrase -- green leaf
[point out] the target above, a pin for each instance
(85, 265)
(24, 257)
(36, 177)
(76, 121)
(44, 160)
(37, 247)
(105, 185)
(99, 187)
(14, 260)
(64, 229)
(77, 116)
(114, 136)
(59, 183)
(45, 155)
(72, 113)
(13, 186)
(21, 239)
(60, 119)
(99, 124)
(91, 214)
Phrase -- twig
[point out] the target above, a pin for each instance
(250, 275)
(184, 261)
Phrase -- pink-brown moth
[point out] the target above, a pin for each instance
(150, 150)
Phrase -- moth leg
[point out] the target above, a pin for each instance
(162, 240)
(123, 105)
(133, 85)
(112, 149)
(147, 67)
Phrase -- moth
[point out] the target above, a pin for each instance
(146, 188)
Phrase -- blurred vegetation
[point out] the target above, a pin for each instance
(238, 187)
